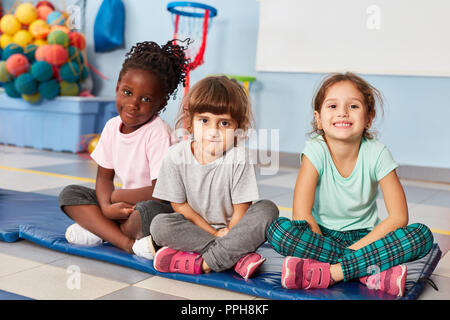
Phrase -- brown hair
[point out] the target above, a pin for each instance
(217, 95)
(370, 94)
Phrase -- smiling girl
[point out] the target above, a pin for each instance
(335, 233)
(131, 147)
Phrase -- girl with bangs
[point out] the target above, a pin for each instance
(210, 184)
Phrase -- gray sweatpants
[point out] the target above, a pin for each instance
(220, 253)
(75, 195)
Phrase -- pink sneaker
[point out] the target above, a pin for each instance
(305, 274)
(391, 281)
(170, 260)
(248, 264)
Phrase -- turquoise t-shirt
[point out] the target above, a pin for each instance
(344, 204)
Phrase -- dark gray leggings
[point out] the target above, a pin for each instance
(220, 253)
(74, 195)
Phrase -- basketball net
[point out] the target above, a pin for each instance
(195, 29)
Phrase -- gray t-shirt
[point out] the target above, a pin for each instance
(210, 189)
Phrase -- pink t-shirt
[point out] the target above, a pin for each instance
(135, 157)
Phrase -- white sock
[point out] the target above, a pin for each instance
(144, 248)
(75, 234)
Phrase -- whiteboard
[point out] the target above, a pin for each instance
(399, 37)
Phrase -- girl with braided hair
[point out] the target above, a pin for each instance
(131, 146)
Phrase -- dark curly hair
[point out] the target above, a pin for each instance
(167, 62)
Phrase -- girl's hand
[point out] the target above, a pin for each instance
(118, 210)
(221, 232)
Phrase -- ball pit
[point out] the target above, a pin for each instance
(41, 56)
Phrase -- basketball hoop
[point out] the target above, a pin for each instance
(191, 20)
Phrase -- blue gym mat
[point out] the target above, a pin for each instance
(24, 207)
(4, 295)
(47, 229)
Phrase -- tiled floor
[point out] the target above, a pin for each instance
(33, 271)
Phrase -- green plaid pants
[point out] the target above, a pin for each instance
(295, 238)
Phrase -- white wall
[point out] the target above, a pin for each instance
(415, 126)
(401, 37)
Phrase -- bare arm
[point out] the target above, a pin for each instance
(238, 212)
(133, 196)
(304, 193)
(104, 187)
(189, 213)
(395, 201)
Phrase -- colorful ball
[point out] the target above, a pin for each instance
(40, 42)
(42, 52)
(17, 64)
(11, 49)
(39, 29)
(56, 54)
(61, 28)
(49, 89)
(45, 3)
(26, 13)
(26, 84)
(77, 40)
(43, 12)
(9, 24)
(56, 17)
(58, 37)
(5, 76)
(93, 143)
(5, 40)
(32, 98)
(75, 55)
(11, 90)
(70, 72)
(42, 71)
(69, 88)
(30, 52)
(23, 38)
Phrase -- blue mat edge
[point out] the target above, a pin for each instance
(249, 287)
(24, 233)
(417, 289)
(5, 295)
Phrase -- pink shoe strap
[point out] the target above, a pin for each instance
(186, 262)
(320, 275)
